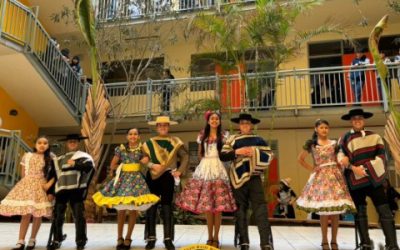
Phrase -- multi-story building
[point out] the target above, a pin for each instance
(38, 88)
(315, 83)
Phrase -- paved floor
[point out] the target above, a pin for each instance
(103, 236)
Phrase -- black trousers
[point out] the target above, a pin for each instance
(252, 192)
(164, 188)
(78, 212)
(377, 195)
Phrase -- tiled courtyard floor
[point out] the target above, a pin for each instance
(103, 236)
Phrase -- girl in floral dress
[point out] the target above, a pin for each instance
(208, 191)
(128, 191)
(28, 198)
(325, 192)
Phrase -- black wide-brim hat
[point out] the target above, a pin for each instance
(73, 137)
(247, 117)
(355, 112)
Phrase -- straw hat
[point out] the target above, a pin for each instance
(162, 119)
(286, 181)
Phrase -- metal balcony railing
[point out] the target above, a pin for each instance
(110, 10)
(12, 148)
(283, 90)
(19, 25)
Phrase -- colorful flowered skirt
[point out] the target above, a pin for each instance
(326, 193)
(27, 197)
(129, 192)
(209, 190)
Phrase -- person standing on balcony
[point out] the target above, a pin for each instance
(73, 172)
(209, 190)
(128, 191)
(325, 192)
(28, 198)
(357, 75)
(164, 151)
(362, 154)
(250, 156)
(167, 85)
(76, 67)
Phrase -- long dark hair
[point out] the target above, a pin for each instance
(314, 138)
(127, 132)
(48, 160)
(207, 131)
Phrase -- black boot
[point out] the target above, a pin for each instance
(266, 247)
(241, 227)
(244, 247)
(361, 221)
(388, 227)
(168, 224)
(150, 227)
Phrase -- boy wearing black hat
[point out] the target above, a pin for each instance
(73, 172)
(362, 153)
(250, 156)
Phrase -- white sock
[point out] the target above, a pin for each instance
(31, 242)
(22, 242)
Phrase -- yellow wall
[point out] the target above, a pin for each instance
(23, 121)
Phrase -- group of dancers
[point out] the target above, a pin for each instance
(344, 173)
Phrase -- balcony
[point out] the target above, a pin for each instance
(289, 92)
(33, 71)
(131, 10)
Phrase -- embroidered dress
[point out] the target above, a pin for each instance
(128, 190)
(209, 189)
(325, 192)
(28, 195)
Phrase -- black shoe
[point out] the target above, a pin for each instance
(19, 246)
(80, 247)
(31, 247)
(120, 244)
(267, 247)
(54, 245)
(127, 246)
(150, 244)
(244, 247)
(169, 245)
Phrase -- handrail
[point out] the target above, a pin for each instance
(131, 10)
(283, 90)
(12, 147)
(20, 25)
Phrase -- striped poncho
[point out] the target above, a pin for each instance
(242, 168)
(364, 148)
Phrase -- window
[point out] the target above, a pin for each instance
(115, 71)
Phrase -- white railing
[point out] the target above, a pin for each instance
(112, 10)
(12, 148)
(283, 90)
(19, 25)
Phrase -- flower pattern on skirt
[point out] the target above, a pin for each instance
(209, 190)
(130, 192)
(325, 192)
(28, 196)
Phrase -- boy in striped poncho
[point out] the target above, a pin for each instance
(250, 156)
(362, 153)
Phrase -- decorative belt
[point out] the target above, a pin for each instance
(132, 167)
